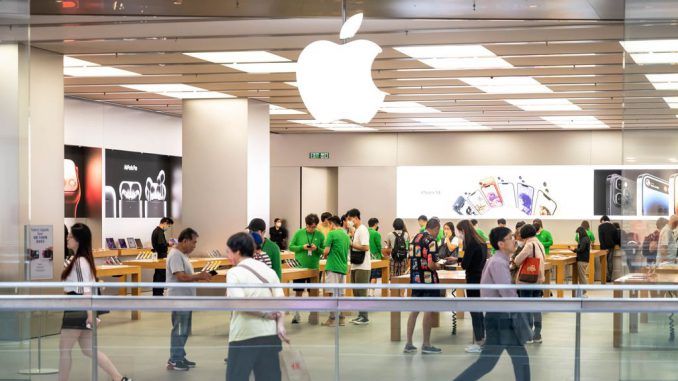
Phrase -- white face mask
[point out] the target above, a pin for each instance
(520, 244)
(350, 224)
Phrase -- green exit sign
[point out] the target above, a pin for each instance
(318, 155)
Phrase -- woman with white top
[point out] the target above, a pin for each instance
(254, 339)
(397, 247)
(76, 325)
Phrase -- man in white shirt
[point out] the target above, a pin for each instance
(667, 241)
(254, 340)
(360, 269)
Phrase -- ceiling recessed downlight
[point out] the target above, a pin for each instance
(507, 85)
(554, 104)
(179, 90)
(583, 122)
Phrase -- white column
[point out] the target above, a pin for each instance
(225, 167)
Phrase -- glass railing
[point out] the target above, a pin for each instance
(615, 332)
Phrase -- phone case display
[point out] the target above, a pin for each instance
(147, 255)
(113, 261)
(144, 185)
(110, 243)
(292, 263)
(214, 254)
(82, 182)
(131, 243)
(139, 245)
(211, 266)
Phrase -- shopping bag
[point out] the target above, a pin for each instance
(292, 365)
(529, 269)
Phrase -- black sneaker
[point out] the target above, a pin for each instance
(189, 363)
(177, 366)
(360, 320)
(125, 378)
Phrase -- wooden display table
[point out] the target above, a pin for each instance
(105, 253)
(557, 259)
(445, 276)
(126, 252)
(288, 275)
(660, 278)
(160, 264)
(286, 255)
(383, 264)
(134, 272)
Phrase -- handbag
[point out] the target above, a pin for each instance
(521, 327)
(292, 365)
(357, 257)
(530, 268)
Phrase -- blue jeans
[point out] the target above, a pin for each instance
(533, 318)
(181, 329)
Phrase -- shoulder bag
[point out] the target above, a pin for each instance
(530, 268)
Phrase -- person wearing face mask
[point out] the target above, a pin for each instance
(160, 246)
(520, 244)
(532, 249)
(375, 247)
(473, 262)
(278, 234)
(308, 245)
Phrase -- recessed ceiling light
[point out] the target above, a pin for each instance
(459, 124)
(179, 90)
(277, 110)
(260, 68)
(587, 122)
(646, 46)
(406, 108)
(507, 85)
(74, 67)
(555, 104)
(671, 101)
(238, 57)
(335, 126)
(455, 57)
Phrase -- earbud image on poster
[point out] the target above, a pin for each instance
(141, 185)
(82, 182)
(495, 191)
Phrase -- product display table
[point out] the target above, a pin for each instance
(445, 276)
(104, 253)
(383, 264)
(286, 255)
(160, 264)
(562, 258)
(636, 279)
(134, 272)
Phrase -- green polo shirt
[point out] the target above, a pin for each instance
(339, 243)
(375, 244)
(299, 240)
(546, 239)
(271, 248)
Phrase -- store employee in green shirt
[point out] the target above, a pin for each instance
(307, 245)
(422, 220)
(375, 247)
(544, 236)
(337, 245)
(257, 225)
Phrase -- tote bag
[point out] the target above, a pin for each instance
(292, 365)
(529, 269)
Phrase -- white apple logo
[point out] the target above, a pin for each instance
(335, 81)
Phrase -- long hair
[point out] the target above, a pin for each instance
(581, 231)
(451, 226)
(470, 233)
(83, 235)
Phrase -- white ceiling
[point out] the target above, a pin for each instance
(580, 60)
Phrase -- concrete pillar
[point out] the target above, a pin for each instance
(225, 167)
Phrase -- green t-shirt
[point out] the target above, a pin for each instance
(375, 244)
(339, 243)
(482, 235)
(271, 248)
(588, 233)
(299, 240)
(441, 235)
(546, 239)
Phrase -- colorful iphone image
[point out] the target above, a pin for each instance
(491, 192)
(478, 201)
(463, 208)
(653, 196)
(525, 198)
(545, 206)
(508, 194)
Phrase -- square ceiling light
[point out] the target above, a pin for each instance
(255, 61)
(585, 122)
(335, 126)
(555, 104)
(672, 102)
(507, 85)
(646, 52)
(74, 67)
(663, 81)
(277, 110)
(455, 57)
(179, 90)
(452, 124)
(406, 108)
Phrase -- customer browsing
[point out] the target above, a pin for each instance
(361, 262)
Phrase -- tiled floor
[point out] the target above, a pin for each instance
(140, 349)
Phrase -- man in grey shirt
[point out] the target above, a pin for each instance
(180, 269)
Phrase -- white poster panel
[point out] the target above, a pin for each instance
(39, 252)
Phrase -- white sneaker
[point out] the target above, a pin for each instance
(474, 348)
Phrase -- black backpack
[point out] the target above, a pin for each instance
(650, 245)
(399, 251)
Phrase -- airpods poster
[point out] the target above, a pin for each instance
(141, 185)
(563, 192)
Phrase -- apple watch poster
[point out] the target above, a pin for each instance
(142, 185)
(82, 182)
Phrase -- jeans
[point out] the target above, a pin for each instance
(181, 329)
(500, 337)
(477, 319)
(534, 318)
(360, 276)
(258, 355)
(159, 277)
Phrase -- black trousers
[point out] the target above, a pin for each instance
(500, 337)
(258, 355)
(610, 257)
(477, 318)
(159, 277)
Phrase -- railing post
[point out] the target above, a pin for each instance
(95, 357)
(577, 341)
